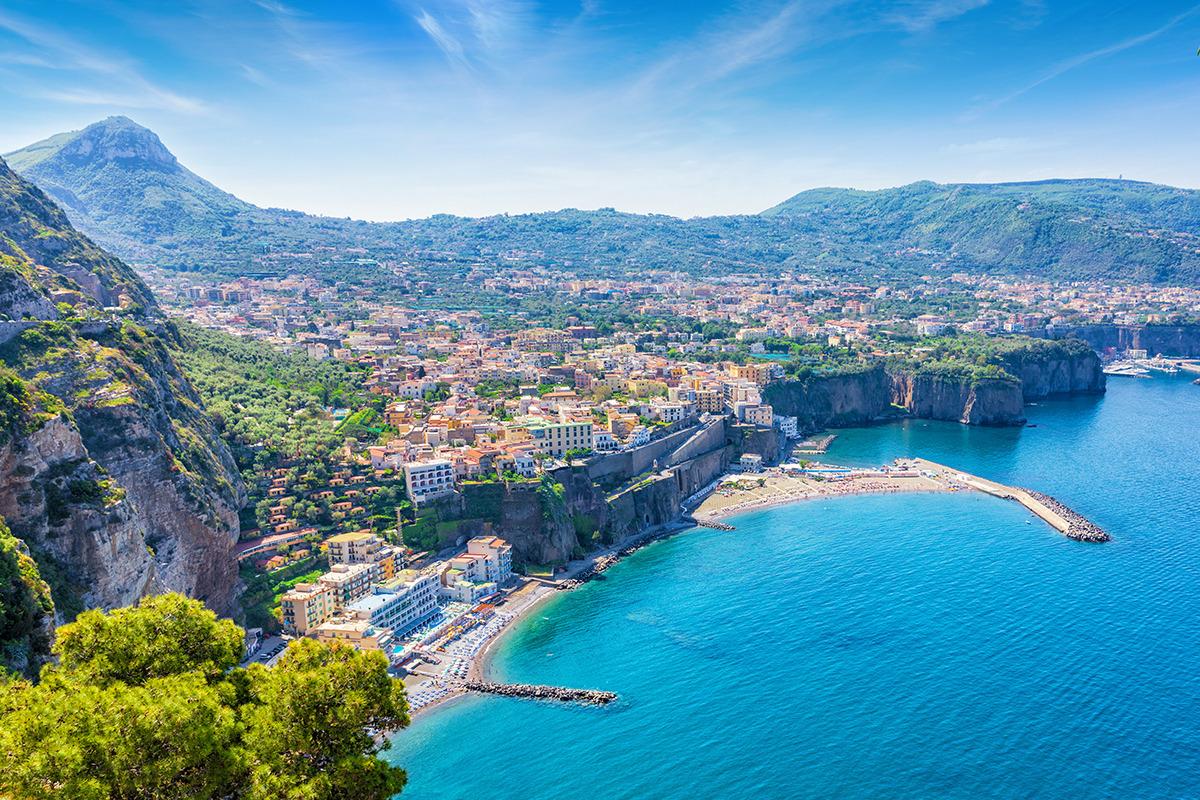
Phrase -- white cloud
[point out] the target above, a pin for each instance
(123, 84)
(1070, 64)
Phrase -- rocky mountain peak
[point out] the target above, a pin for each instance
(118, 139)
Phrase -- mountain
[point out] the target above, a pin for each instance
(113, 481)
(1077, 228)
(120, 184)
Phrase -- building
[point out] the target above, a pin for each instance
(363, 547)
(558, 438)
(497, 557)
(788, 426)
(427, 480)
(358, 633)
(398, 605)
(306, 606)
(348, 582)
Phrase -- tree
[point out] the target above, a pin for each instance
(172, 737)
(164, 635)
(311, 728)
(148, 702)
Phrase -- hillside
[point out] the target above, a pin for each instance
(113, 481)
(120, 184)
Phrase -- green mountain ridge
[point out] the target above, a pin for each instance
(120, 184)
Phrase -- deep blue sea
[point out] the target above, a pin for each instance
(910, 646)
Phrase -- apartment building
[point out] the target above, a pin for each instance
(400, 604)
(306, 606)
(557, 438)
(496, 555)
(427, 480)
(363, 547)
(348, 582)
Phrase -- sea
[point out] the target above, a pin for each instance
(895, 646)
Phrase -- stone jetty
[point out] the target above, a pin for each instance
(1059, 516)
(715, 524)
(1078, 528)
(592, 697)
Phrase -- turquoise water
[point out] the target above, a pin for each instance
(912, 646)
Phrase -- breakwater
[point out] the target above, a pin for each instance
(1057, 514)
(1078, 528)
(593, 697)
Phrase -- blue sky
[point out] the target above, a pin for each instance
(405, 108)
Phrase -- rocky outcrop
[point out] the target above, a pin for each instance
(1071, 367)
(1181, 341)
(963, 392)
(956, 399)
(835, 400)
(111, 474)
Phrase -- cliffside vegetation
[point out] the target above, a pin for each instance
(269, 405)
(25, 605)
(112, 476)
(149, 702)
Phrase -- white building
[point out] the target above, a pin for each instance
(399, 604)
(788, 426)
(496, 555)
(426, 480)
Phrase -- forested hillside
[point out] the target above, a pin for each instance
(120, 184)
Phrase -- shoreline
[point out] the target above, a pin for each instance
(729, 496)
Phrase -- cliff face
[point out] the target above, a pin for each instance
(1074, 373)
(1181, 341)
(1034, 370)
(833, 401)
(111, 474)
(985, 402)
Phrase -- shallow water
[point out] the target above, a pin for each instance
(902, 646)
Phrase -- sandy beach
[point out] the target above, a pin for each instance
(737, 494)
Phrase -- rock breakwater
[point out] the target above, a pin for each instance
(1078, 528)
(593, 697)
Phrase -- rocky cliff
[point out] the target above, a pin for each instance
(836, 400)
(576, 508)
(976, 390)
(956, 399)
(111, 474)
(1182, 341)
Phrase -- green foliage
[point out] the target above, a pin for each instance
(312, 723)
(164, 635)
(267, 404)
(177, 719)
(24, 601)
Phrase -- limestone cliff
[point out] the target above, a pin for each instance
(1182, 341)
(834, 400)
(954, 399)
(111, 473)
(981, 390)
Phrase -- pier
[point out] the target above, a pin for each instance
(591, 697)
(1055, 513)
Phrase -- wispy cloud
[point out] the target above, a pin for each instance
(997, 145)
(918, 17)
(1063, 67)
(123, 84)
(447, 43)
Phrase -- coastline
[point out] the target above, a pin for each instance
(730, 496)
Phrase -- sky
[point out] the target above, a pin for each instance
(406, 108)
